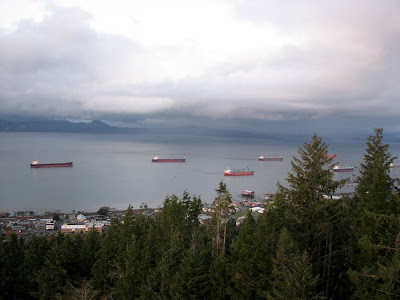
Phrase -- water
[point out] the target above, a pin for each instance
(116, 170)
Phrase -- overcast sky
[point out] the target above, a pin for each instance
(200, 60)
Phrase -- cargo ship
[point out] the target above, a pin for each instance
(35, 164)
(157, 159)
(247, 193)
(342, 169)
(392, 165)
(330, 156)
(229, 172)
(263, 158)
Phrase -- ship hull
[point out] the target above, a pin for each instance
(247, 193)
(53, 165)
(250, 173)
(271, 159)
(343, 170)
(182, 160)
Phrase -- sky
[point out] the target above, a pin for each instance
(228, 62)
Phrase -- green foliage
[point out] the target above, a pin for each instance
(311, 217)
(12, 277)
(375, 188)
(376, 224)
(292, 273)
(56, 217)
(104, 210)
(245, 261)
(35, 257)
(222, 208)
(105, 270)
(312, 176)
(52, 278)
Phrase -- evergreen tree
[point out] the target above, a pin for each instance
(177, 234)
(192, 280)
(52, 278)
(245, 261)
(12, 277)
(375, 184)
(35, 257)
(376, 224)
(312, 214)
(222, 208)
(129, 257)
(105, 270)
(90, 246)
(291, 273)
(70, 255)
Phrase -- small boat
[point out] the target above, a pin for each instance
(35, 164)
(157, 159)
(247, 193)
(229, 172)
(263, 158)
(342, 169)
(330, 156)
(392, 165)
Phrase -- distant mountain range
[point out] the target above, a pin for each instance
(96, 126)
(56, 126)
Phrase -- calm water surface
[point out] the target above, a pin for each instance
(116, 170)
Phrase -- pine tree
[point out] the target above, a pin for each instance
(11, 273)
(222, 208)
(174, 234)
(52, 278)
(90, 246)
(245, 261)
(291, 273)
(130, 257)
(375, 187)
(312, 214)
(35, 257)
(105, 270)
(376, 224)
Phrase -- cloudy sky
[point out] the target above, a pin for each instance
(208, 60)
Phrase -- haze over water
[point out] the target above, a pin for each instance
(116, 170)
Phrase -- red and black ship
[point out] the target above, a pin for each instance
(36, 164)
(229, 172)
(157, 159)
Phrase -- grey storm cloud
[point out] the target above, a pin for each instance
(264, 60)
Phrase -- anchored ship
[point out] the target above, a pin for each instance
(263, 158)
(157, 159)
(330, 156)
(35, 164)
(342, 169)
(247, 193)
(392, 165)
(229, 172)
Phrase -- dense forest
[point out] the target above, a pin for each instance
(306, 245)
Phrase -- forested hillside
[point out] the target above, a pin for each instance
(305, 245)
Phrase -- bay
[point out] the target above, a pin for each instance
(116, 170)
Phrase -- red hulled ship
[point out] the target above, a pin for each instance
(229, 172)
(35, 164)
(247, 193)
